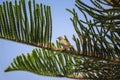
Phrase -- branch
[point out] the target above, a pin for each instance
(15, 24)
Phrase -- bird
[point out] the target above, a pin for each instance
(66, 44)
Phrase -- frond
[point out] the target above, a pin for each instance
(97, 43)
(30, 25)
(51, 63)
(43, 62)
(98, 37)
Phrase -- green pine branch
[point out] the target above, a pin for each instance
(96, 54)
(33, 27)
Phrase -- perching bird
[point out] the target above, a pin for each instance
(66, 44)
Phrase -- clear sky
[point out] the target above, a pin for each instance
(61, 26)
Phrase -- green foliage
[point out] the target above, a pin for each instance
(97, 52)
(45, 62)
(33, 27)
(99, 36)
(52, 63)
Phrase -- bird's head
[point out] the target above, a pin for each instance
(60, 38)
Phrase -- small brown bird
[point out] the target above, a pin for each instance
(66, 44)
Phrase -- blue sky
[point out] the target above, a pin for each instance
(61, 26)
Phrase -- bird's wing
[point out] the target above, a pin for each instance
(65, 43)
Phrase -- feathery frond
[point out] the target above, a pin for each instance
(97, 44)
(51, 63)
(98, 37)
(31, 25)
